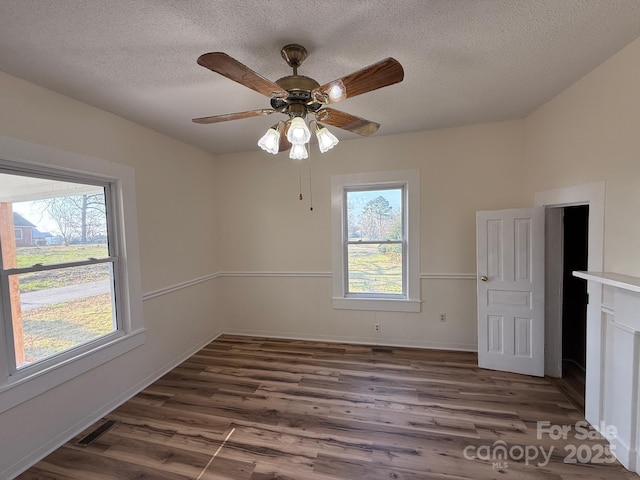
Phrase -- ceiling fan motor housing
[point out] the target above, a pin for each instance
(299, 88)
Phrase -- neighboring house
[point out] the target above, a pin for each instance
(27, 234)
(24, 230)
(41, 238)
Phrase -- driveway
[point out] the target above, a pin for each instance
(51, 296)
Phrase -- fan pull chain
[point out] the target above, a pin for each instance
(310, 189)
(300, 179)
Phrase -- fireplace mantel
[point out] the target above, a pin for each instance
(620, 360)
(618, 280)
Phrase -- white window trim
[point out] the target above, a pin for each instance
(17, 153)
(411, 180)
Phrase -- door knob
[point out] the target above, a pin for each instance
(484, 278)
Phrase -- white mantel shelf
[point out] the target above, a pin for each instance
(625, 282)
(616, 338)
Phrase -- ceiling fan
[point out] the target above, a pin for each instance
(297, 96)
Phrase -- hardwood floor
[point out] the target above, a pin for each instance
(572, 383)
(248, 408)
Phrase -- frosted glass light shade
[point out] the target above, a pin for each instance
(326, 139)
(298, 133)
(270, 141)
(298, 152)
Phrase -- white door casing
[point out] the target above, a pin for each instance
(592, 194)
(510, 269)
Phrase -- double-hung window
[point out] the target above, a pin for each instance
(70, 299)
(376, 241)
(60, 296)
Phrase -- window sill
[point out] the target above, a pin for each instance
(378, 304)
(13, 394)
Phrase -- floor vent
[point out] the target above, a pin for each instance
(93, 436)
(381, 350)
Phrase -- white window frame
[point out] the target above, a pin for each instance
(16, 232)
(17, 387)
(410, 181)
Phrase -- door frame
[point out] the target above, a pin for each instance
(553, 294)
(592, 194)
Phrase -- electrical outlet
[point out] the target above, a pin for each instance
(376, 327)
(443, 317)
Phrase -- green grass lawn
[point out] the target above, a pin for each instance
(374, 271)
(53, 254)
(54, 328)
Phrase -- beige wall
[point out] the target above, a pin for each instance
(177, 214)
(173, 180)
(590, 133)
(265, 229)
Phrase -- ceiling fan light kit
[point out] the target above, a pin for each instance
(298, 133)
(299, 152)
(297, 95)
(270, 141)
(326, 139)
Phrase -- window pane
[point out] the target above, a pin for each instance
(53, 221)
(46, 222)
(375, 268)
(61, 309)
(374, 214)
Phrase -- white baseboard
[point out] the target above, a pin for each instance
(50, 446)
(460, 347)
(625, 455)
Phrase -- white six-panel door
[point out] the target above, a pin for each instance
(510, 256)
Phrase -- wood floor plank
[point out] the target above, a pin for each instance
(481, 417)
(68, 463)
(166, 457)
(337, 467)
(443, 426)
(222, 468)
(307, 442)
(251, 408)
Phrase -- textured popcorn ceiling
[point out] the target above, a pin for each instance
(465, 61)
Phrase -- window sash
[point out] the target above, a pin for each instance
(346, 242)
(16, 373)
(374, 242)
(54, 266)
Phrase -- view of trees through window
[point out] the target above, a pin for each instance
(79, 219)
(57, 269)
(375, 241)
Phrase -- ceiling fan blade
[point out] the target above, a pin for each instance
(346, 121)
(234, 70)
(381, 74)
(284, 144)
(233, 116)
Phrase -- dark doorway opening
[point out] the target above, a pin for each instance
(574, 298)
